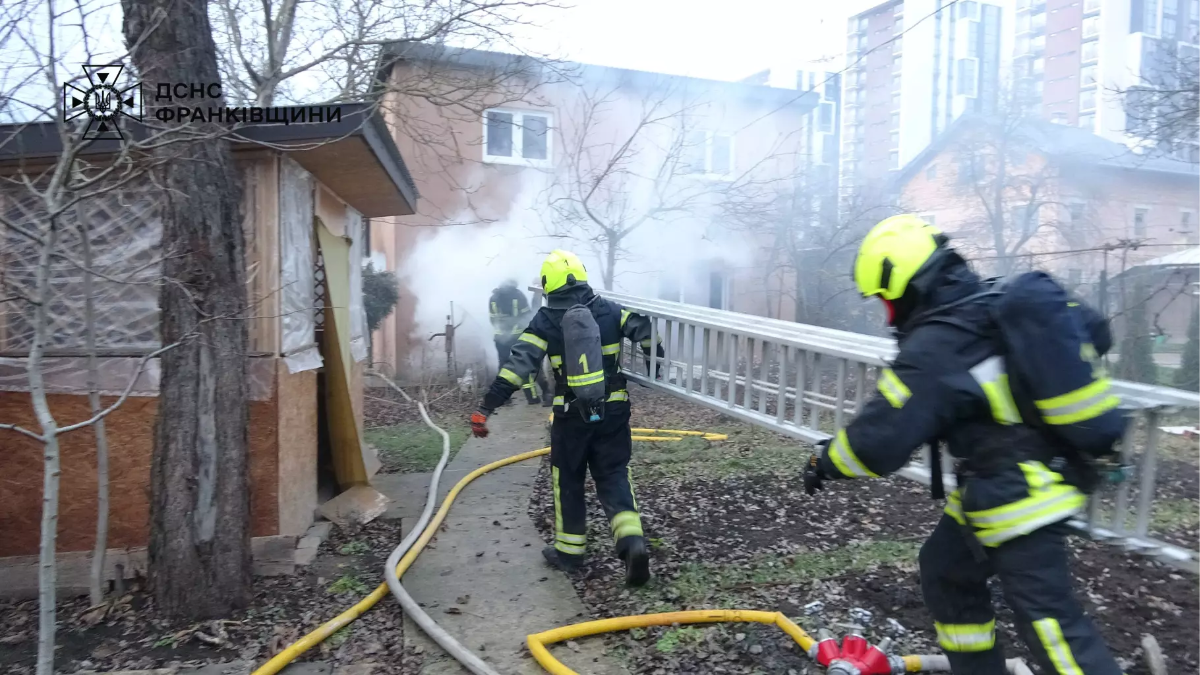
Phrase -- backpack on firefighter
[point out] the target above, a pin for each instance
(583, 361)
(1052, 346)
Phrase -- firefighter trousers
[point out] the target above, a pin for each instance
(536, 386)
(1036, 581)
(603, 448)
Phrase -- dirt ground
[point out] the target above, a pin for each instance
(131, 636)
(731, 527)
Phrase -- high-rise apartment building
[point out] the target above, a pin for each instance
(903, 88)
(1074, 56)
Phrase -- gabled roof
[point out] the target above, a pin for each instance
(1066, 144)
(354, 157)
(395, 52)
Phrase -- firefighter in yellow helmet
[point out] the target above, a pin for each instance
(509, 312)
(582, 333)
(960, 339)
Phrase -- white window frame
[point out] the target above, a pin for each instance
(1145, 222)
(708, 150)
(518, 139)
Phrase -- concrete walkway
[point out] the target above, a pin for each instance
(483, 577)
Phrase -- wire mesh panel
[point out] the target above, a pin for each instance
(119, 232)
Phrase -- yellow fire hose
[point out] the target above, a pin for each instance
(538, 641)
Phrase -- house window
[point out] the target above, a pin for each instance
(1076, 212)
(897, 45)
(968, 9)
(931, 172)
(1058, 117)
(1150, 18)
(895, 137)
(1139, 221)
(716, 290)
(965, 83)
(1037, 66)
(826, 118)
(709, 153)
(516, 137)
(897, 63)
(1090, 6)
(1091, 27)
(1168, 27)
(894, 160)
(1087, 76)
(1090, 52)
(1087, 99)
(898, 26)
(895, 120)
(1088, 122)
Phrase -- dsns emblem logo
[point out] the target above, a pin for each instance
(103, 100)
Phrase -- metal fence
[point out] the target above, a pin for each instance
(806, 382)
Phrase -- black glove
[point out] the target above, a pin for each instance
(814, 477)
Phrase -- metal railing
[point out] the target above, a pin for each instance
(807, 382)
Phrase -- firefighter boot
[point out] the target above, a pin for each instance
(565, 562)
(632, 550)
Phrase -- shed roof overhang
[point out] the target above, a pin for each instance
(354, 156)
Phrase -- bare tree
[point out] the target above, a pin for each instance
(199, 553)
(267, 47)
(807, 235)
(1007, 190)
(623, 168)
(1163, 108)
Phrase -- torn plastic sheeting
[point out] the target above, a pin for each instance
(297, 268)
(355, 229)
(69, 375)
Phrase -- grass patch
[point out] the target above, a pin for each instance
(348, 584)
(697, 580)
(746, 451)
(354, 548)
(340, 636)
(1168, 515)
(674, 638)
(414, 447)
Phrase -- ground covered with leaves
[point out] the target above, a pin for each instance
(130, 635)
(731, 527)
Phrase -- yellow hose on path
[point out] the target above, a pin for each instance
(538, 641)
(293, 651)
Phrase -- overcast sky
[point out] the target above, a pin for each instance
(720, 40)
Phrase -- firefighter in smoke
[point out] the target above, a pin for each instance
(1006, 375)
(582, 333)
(510, 313)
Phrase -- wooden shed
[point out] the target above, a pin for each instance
(308, 192)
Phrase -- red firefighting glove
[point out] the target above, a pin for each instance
(479, 424)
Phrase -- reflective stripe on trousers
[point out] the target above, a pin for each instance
(966, 637)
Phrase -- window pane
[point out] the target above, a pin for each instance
(1087, 99)
(826, 117)
(721, 161)
(499, 134)
(533, 136)
(1091, 50)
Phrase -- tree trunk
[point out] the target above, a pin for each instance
(96, 581)
(51, 471)
(199, 554)
(610, 261)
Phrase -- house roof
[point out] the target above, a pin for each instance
(1067, 144)
(571, 71)
(1186, 258)
(354, 157)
